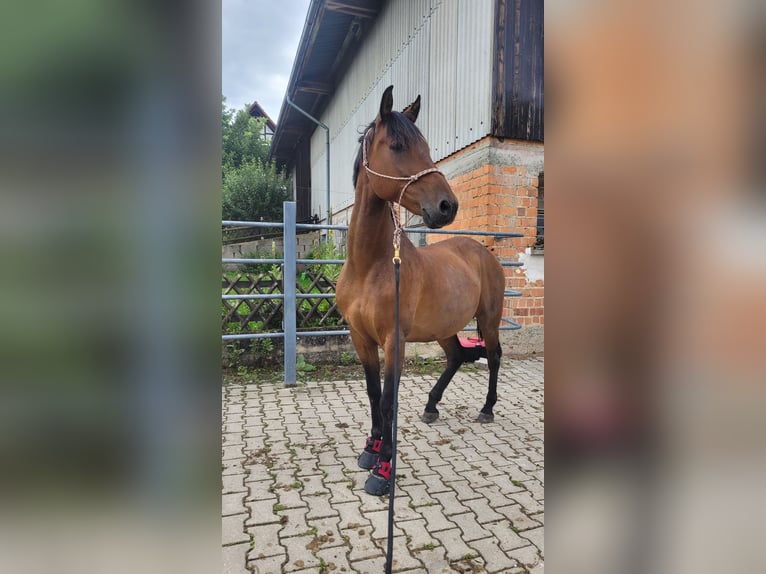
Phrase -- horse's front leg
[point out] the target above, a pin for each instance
(379, 481)
(368, 355)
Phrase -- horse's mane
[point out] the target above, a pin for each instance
(401, 130)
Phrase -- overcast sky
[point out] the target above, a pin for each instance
(260, 38)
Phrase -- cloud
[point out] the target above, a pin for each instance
(260, 39)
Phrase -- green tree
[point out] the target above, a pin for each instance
(253, 189)
(243, 139)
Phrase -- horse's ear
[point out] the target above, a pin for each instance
(413, 110)
(386, 103)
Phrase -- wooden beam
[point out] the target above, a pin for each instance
(313, 87)
(360, 8)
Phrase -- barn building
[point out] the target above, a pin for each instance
(478, 66)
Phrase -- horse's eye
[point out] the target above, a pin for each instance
(396, 146)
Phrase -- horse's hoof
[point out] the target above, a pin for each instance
(367, 460)
(427, 417)
(377, 485)
(485, 418)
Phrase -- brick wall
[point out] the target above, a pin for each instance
(497, 184)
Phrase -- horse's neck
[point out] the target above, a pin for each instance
(370, 233)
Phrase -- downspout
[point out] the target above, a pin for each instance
(327, 152)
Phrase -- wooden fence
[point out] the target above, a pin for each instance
(253, 315)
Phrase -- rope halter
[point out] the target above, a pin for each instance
(395, 212)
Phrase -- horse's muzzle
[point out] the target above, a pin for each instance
(441, 214)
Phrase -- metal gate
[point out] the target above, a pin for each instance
(289, 271)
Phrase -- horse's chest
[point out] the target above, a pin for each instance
(364, 303)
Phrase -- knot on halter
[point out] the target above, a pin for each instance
(395, 212)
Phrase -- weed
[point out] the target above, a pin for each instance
(278, 508)
(302, 366)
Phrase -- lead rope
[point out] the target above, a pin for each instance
(390, 547)
(396, 215)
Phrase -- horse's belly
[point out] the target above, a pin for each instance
(435, 327)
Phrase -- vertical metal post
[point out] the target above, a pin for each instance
(288, 286)
(327, 154)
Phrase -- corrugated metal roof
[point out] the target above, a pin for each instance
(331, 33)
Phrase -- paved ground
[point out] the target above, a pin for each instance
(469, 496)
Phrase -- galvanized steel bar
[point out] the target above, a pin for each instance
(315, 295)
(322, 333)
(236, 260)
(288, 290)
(329, 261)
(240, 336)
(462, 232)
(254, 296)
(227, 222)
(317, 227)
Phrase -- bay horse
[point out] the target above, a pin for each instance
(443, 286)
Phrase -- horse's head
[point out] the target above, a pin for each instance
(399, 166)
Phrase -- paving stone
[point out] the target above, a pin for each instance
(472, 530)
(507, 538)
(464, 490)
(335, 558)
(403, 560)
(379, 522)
(319, 506)
(527, 502)
(495, 560)
(261, 512)
(341, 492)
(327, 532)
(313, 485)
(231, 438)
(261, 490)
(450, 503)
(536, 536)
(350, 515)
(483, 511)
(359, 541)
(232, 504)
(299, 556)
(417, 535)
(233, 466)
(435, 518)
(518, 518)
(269, 565)
(528, 556)
(233, 530)
(265, 539)
(233, 483)
(290, 497)
(293, 521)
(453, 543)
(234, 559)
(333, 473)
(434, 560)
(419, 494)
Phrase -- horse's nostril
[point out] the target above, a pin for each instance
(445, 207)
